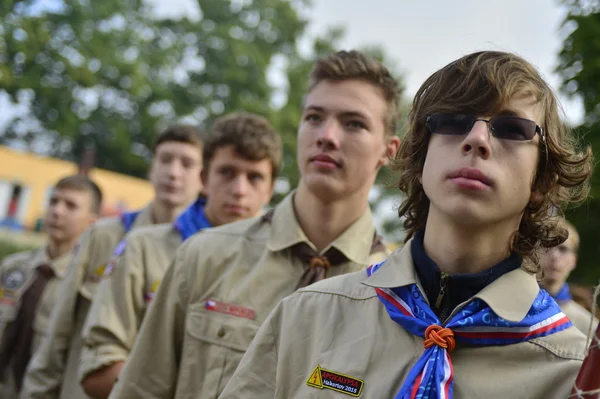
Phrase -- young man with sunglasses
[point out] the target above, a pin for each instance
(457, 312)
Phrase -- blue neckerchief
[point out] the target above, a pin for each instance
(128, 219)
(476, 324)
(192, 220)
(564, 295)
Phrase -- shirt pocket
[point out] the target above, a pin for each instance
(213, 347)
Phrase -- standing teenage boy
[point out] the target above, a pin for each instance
(30, 281)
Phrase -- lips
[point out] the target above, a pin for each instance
(235, 209)
(325, 159)
(472, 174)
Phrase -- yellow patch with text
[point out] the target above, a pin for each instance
(326, 379)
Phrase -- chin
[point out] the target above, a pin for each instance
(171, 199)
(325, 187)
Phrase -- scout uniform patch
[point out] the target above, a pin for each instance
(150, 294)
(119, 249)
(326, 379)
(13, 280)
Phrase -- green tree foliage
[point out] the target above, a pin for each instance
(580, 69)
(111, 73)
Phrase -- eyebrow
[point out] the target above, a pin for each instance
(356, 114)
(509, 112)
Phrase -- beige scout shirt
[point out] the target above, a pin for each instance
(17, 272)
(222, 284)
(52, 373)
(120, 303)
(341, 326)
(580, 317)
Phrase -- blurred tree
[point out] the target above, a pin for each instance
(579, 67)
(110, 74)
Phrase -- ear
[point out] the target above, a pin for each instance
(270, 196)
(536, 197)
(204, 177)
(93, 218)
(392, 144)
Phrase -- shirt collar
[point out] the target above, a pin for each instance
(355, 242)
(144, 218)
(59, 265)
(510, 296)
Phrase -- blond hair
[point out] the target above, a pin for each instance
(354, 65)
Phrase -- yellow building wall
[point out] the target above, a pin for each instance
(38, 174)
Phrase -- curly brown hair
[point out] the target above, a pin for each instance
(348, 65)
(482, 83)
(252, 137)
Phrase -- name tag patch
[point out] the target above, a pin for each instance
(228, 308)
(326, 379)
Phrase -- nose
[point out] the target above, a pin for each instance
(478, 140)
(57, 209)
(175, 169)
(329, 135)
(240, 185)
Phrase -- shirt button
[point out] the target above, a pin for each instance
(221, 332)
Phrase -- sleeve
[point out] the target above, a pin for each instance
(256, 376)
(46, 369)
(117, 309)
(153, 365)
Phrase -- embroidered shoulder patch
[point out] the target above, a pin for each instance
(326, 379)
(13, 280)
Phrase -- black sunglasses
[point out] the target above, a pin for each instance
(502, 127)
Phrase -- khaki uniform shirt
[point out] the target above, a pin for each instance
(121, 299)
(17, 272)
(52, 373)
(340, 326)
(221, 286)
(580, 317)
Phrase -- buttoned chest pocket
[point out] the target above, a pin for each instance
(214, 345)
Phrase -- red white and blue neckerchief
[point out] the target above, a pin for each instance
(475, 324)
(192, 220)
(564, 295)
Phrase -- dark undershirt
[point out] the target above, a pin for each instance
(459, 287)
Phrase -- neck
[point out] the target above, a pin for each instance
(164, 213)
(57, 249)
(553, 287)
(466, 249)
(323, 222)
